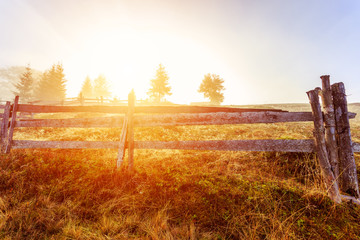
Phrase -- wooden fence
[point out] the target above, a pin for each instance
(335, 134)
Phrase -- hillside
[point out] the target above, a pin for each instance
(79, 194)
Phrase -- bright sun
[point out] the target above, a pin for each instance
(129, 59)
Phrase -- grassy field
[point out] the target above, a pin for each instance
(79, 194)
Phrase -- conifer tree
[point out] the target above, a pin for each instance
(101, 87)
(87, 88)
(59, 82)
(52, 85)
(159, 86)
(25, 87)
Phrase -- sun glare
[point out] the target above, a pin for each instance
(123, 57)
(128, 59)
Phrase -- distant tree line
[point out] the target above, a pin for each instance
(52, 86)
(95, 89)
(24, 88)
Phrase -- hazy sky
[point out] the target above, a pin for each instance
(267, 51)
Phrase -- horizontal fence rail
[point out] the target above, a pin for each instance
(306, 145)
(138, 109)
(264, 145)
(174, 120)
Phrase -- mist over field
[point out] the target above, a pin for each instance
(165, 119)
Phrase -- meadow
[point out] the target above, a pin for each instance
(172, 194)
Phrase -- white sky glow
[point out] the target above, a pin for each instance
(266, 51)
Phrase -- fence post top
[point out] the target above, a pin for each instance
(323, 77)
(131, 96)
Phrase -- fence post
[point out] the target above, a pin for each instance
(12, 125)
(347, 166)
(122, 146)
(330, 180)
(5, 125)
(330, 127)
(131, 109)
(81, 99)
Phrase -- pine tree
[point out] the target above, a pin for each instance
(159, 86)
(87, 88)
(211, 87)
(24, 88)
(52, 85)
(59, 83)
(42, 92)
(101, 87)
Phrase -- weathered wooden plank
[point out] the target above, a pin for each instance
(305, 145)
(130, 118)
(1, 115)
(174, 120)
(347, 166)
(2, 106)
(330, 125)
(122, 145)
(22, 144)
(221, 118)
(139, 109)
(12, 124)
(319, 136)
(5, 126)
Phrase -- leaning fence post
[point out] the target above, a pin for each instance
(347, 166)
(12, 125)
(330, 180)
(131, 109)
(5, 125)
(330, 127)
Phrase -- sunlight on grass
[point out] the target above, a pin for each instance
(173, 194)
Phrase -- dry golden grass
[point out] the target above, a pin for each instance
(79, 194)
